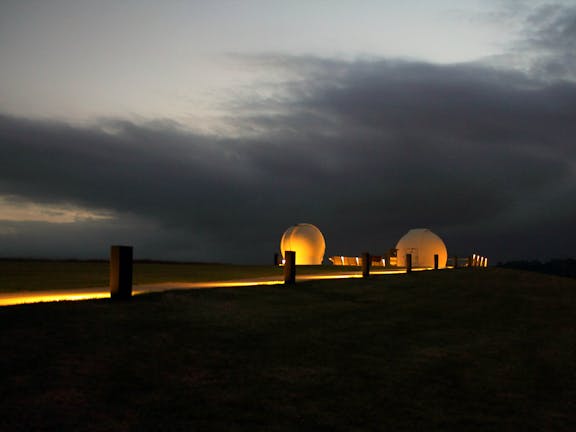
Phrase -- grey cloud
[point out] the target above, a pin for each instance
(551, 38)
(365, 150)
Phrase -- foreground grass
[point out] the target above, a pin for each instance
(451, 350)
(28, 275)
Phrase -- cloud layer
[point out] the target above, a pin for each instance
(365, 150)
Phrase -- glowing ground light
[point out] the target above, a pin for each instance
(8, 299)
(479, 261)
(51, 296)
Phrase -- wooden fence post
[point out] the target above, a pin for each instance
(366, 261)
(120, 272)
(408, 263)
(289, 267)
(435, 261)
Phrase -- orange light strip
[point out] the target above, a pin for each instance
(16, 298)
(40, 297)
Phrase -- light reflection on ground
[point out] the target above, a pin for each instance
(24, 297)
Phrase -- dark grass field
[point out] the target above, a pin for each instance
(461, 350)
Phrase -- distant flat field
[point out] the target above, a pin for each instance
(29, 275)
(455, 350)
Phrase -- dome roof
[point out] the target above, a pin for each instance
(307, 241)
(423, 244)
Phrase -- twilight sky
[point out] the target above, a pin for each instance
(201, 130)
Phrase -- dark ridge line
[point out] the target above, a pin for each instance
(559, 267)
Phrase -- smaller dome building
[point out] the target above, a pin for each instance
(423, 244)
(307, 241)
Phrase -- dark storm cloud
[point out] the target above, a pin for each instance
(444, 146)
(364, 150)
(154, 172)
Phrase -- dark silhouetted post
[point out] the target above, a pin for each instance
(366, 261)
(276, 259)
(120, 272)
(435, 261)
(289, 267)
(455, 262)
(408, 263)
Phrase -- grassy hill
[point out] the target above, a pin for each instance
(471, 350)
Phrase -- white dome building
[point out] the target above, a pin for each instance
(423, 244)
(307, 241)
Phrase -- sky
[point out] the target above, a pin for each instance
(200, 131)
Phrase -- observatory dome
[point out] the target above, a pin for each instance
(423, 244)
(307, 241)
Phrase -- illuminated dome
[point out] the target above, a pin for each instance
(423, 244)
(307, 241)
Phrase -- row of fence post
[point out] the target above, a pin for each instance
(121, 258)
(121, 264)
(290, 264)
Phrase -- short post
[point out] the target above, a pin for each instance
(455, 262)
(435, 261)
(366, 261)
(289, 267)
(276, 260)
(408, 263)
(120, 272)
